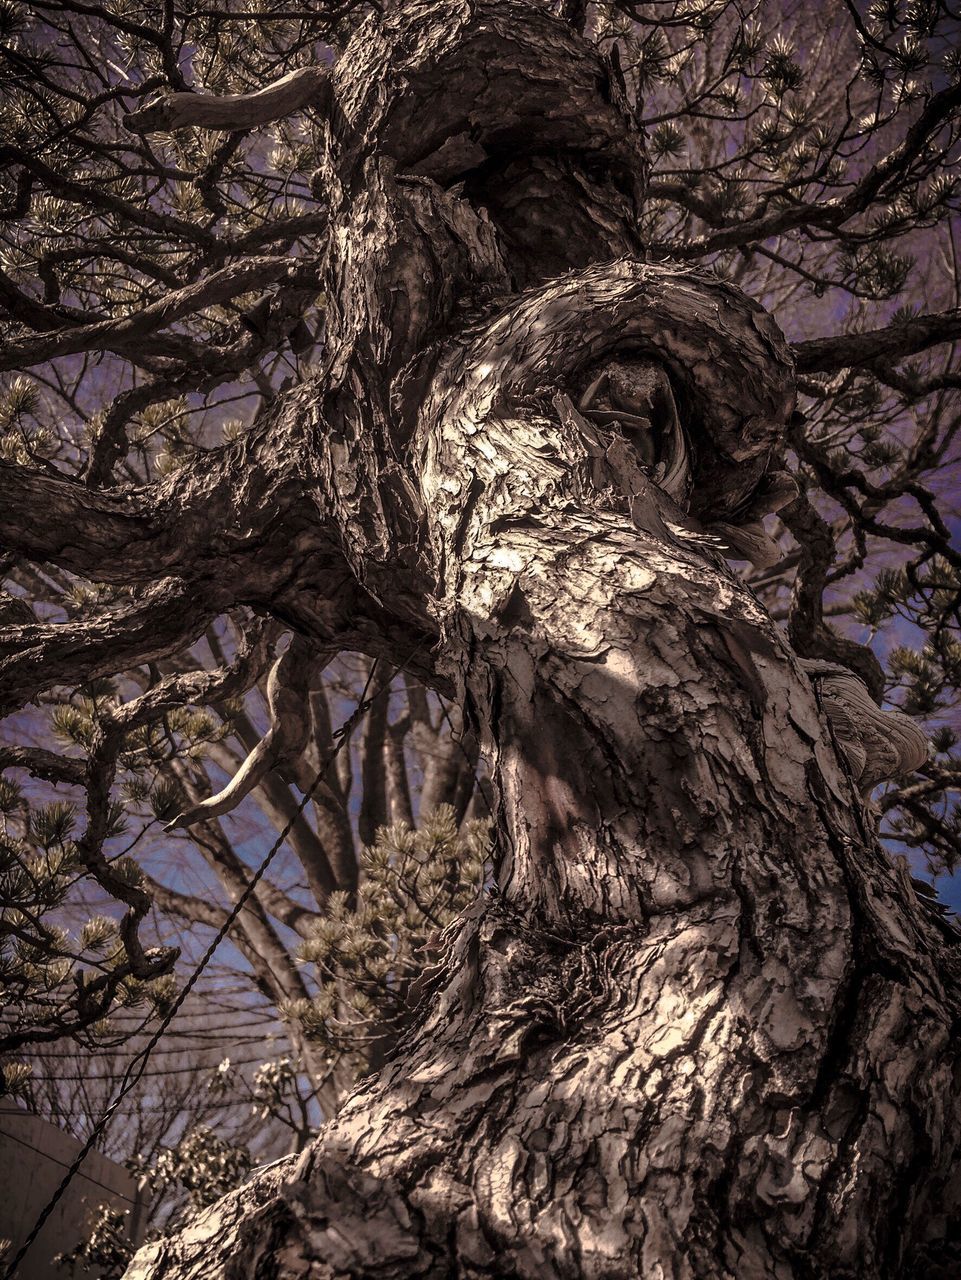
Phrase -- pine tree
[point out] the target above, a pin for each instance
(595, 372)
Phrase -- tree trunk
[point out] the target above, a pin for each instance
(700, 1028)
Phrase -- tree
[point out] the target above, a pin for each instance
(65, 971)
(701, 1025)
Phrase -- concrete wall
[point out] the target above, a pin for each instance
(34, 1156)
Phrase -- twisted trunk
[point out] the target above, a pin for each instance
(699, 1029)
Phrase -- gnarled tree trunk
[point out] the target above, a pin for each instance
(701, 1027)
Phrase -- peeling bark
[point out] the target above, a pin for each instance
(701, 1029)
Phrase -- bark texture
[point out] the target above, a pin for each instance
(699, 1029)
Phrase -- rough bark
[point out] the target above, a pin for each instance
(701, 1029)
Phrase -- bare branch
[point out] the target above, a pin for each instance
(287, 689)
(201, 686)
(828, 355)
(40, 763)
(232, 111)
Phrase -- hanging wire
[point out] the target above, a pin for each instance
(137, 1066)
(458, 740)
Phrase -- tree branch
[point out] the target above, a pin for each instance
(109, 537)
(34, 658)
(304, 88)
(118, 335)
(810, 635)
(40, 763)
(21, 307)
(281, 808)
(111, 442)
(829, 214)
(287, 689)
(828, 355)
(94, 998)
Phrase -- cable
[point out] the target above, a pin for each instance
(135, 1070)
(457, 739)
(12, 1137)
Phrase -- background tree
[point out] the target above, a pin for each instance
(486, 483)
(189, 1114)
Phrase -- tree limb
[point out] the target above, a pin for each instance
(40, 763)
(829, 214)
(94, 998)
(286, 738)
(303, 88)
(280, 807)
(828, 355)
(111, 442)
(105, 536)
(117, 335)
(34, 658)
(21, 307)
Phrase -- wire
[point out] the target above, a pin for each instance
(53, 1160)
(197, 1068)
(136, 1068)
(458, 740)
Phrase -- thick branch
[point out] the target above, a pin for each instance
(206, 522)
(118, 335)
(828, 355)
(109, 537)
(40, 763)
(35, 658)
(232, 111)
(285, 740)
